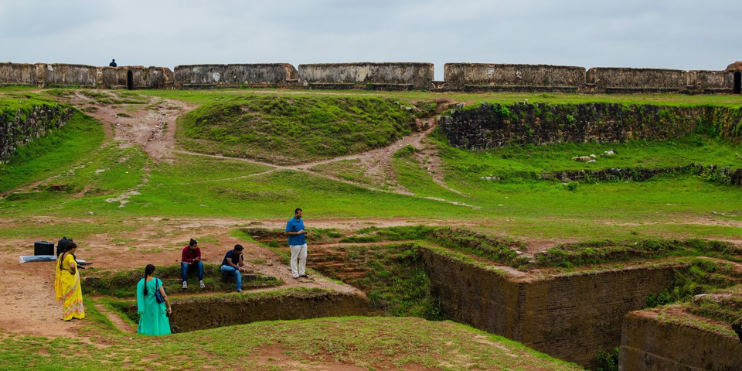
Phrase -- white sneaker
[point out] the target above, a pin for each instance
(185, 284)
(203, 286)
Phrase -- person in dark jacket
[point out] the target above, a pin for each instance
(113, 64)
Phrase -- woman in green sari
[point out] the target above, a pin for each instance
(152, 315)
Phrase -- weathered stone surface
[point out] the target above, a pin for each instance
(17, 74)
(530, 77)
(710, 82)
(234, 75)
(736, 66)
(23, 127)
(141, 77)
(649, 343)
(629, 80)
(568, 317)
(59, 75)
(495, 125)
(200, 314)
(418, 75)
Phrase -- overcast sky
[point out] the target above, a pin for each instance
(681, 34)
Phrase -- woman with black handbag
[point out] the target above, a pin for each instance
(153, 305)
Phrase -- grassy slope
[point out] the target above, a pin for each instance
(293, 129)
(199, 186)
(361, 342)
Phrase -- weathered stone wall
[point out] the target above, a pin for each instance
(534, 76)
(200, 314)
(58, 74)
(142, 77)
(23, 127)
(568, 317)
(650, 344)
(635, 80)
(417, 75)
(710, 82)
(495, 125)
(234, 75)
(17, 74)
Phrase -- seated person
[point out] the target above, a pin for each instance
(192, 259)
(234, 263)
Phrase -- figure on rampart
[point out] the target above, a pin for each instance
(113, 63)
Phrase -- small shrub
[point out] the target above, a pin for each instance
(572, 186)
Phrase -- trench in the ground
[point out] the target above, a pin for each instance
(571, 317)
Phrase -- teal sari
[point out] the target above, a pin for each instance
(152, 315)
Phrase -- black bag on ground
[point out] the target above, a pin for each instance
(43, 248)
(62, 244)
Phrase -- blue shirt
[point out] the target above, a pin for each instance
(296, 225)
(231, 254)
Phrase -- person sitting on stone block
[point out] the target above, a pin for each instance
(192, 260)
(234, 263)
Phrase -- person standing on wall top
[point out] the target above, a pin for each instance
(298, 244)
(192, 259)
(113, 63)
(234, 263)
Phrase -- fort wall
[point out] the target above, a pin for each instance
(383, 76)
(21, 127)
(508, 77)
(568, 317)
(335, 75)
(235, 75)
(651, 343)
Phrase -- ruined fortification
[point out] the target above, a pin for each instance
(382, 76)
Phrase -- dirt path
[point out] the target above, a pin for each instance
(149, 124)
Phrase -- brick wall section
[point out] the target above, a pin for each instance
(569, 317)
(650, 344)
(191, 315)
(418, 75)
(17, 74)
(458, 75)
(234, 75)
(636, 80)
(58, 74)
(16, 131)
(495, 125)
(142, 77)
(710, 82)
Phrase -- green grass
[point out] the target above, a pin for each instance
(293, 129)
(43, 157)
(371, 343)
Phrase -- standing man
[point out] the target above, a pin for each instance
(192, 258)
(234, 263)
(112, 64)
(298, 244)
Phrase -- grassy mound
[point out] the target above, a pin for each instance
(288, 130)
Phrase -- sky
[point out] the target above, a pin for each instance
(677, 34)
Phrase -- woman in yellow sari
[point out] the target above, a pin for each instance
(67, 284)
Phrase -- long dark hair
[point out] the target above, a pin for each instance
(69, 247)
(148, 270)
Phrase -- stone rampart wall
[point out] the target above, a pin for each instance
(569, 317)
(706, 82)
(142, 77)
(235, 75)
(17, 74)
(459, 75)
(417, 75)
(21, 127)
(494, 125)
(58, 74)
(649, 343)
(631, 80)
